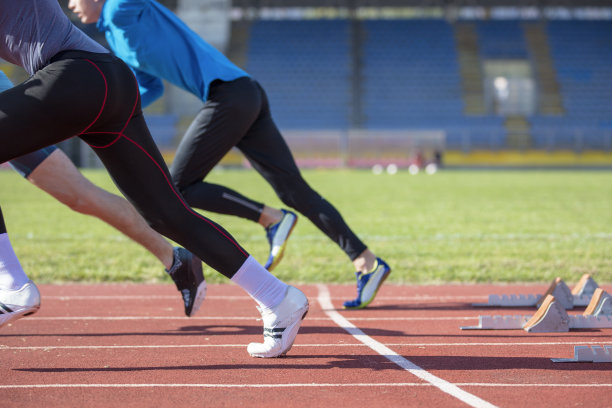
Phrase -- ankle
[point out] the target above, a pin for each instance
(269, 216)
(365, 262)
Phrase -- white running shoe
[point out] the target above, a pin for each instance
(281, 325)
(15, 304)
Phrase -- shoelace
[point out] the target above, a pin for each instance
(366, 276)
(361, 281)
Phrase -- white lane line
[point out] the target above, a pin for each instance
(333, 345)
(293, 385)
(445, 386)
(53, 318)
(530, 385)
(140, 297)
(242, 297)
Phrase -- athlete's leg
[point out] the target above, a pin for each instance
(217, 128)
(12, 275)
(114, 125)
(138, 169)
(269, 154)
(52, 171)
(96, 95)
(58, 176)
(18, 295)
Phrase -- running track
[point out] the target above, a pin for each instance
(130, 346)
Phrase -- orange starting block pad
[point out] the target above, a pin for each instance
(580, 295)
(586, 354)
(552, 317)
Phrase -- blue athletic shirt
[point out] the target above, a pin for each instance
(5, 82)
(156, 44)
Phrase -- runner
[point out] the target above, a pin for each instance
(53, 172)
(78, 88)
(157, 45)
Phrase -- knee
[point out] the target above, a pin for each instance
(160, 224)
(298, 195)
(180, 181)
(176, 180)
(166, 222)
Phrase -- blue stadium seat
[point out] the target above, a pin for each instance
(410, 78)
(582, 56)
(304, 66)
(503, 39)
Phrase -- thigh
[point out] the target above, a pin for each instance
(58, 102)
(138, 170)
(266, 149)
(222, 122)
(25, 165)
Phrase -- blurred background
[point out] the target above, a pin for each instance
(363, 83)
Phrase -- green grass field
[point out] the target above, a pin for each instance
(454, 226)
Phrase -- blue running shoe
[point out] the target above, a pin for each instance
(186, 272)
(368, 285)
(277, 235)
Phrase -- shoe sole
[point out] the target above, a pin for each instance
(7, 318)
(280, 255)
(291, 331)
(199, 298)
(365, 304)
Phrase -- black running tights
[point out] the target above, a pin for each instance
(95, 96)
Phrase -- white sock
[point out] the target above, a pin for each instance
(267, 290)
(12, 275)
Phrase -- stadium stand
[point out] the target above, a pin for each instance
(582, 54)
(304, 66)
(408, 77)
(502, 39)
(333, 75)
(163, 129)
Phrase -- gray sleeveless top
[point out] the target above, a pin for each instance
(33, 31)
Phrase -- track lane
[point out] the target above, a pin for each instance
(208, 355)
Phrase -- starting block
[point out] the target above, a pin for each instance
(580, 295)
(600, 305)
(586, 354)
(584, 290)
(552, 317)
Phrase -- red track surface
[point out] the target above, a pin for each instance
(131, 346)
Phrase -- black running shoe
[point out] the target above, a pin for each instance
(186, 272)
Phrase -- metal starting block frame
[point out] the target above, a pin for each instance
(586, 354)
(552, 317)
(499, 323)
(580, 295)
